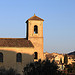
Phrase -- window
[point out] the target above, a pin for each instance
(35, 29)
(35, 55)
(69, 58)
(1, 57)
(19, 57)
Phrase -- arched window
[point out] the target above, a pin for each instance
(19, 57)
(35, 55)
(35, 29)
(1, 57)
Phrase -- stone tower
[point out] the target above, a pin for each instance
(35, 34)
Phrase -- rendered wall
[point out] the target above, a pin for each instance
(36, 39)
(9, 58)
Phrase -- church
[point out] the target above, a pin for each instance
(17, 52)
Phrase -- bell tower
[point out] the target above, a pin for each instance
(35, 34)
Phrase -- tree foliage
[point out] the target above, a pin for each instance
(71, 68)
(41, 68)
(10, 71)
(65, 59)
(61, 60)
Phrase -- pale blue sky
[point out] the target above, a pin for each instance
(59, 21)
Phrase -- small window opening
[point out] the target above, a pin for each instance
(1, 57)
(35, 55)
(35, 29)
(19, 57)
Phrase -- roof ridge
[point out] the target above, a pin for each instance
(35, 18)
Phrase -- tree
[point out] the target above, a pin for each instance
(41, 68)
(10, 71)
(61, 60)
(65, 62)
(71, 68)
(65, 59)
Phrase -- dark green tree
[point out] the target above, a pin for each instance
(71, 68)
(65, 59)
(65, 62)
(41, 68)
(61, 60)
(10, 71)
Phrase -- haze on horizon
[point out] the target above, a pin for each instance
(59, 21)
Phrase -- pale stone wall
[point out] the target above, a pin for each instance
(58, 57)
(31, 24)
(9, 57)
(36, 39)
(69, 60)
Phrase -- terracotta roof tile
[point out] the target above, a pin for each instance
(15, 42)
(35, 18)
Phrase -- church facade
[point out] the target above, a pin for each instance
(17, 52)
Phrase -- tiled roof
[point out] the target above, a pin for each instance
(72, 56)
(15, 42)
(50, 56)
(35, 18)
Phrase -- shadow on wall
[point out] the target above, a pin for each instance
(12, 59)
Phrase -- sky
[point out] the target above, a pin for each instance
(58, 27)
